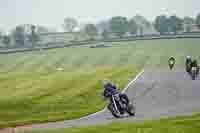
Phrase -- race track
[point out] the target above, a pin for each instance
(156, 94)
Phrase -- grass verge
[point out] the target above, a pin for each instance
(61, 96)
(186, 124)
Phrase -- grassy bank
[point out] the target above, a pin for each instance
(190, 124)
(63, 95)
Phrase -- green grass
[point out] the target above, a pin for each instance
(33, 91)
(63, 95)
(189, 124)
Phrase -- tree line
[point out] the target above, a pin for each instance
(120, 25)
(28, 35)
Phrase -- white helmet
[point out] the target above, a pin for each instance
(188, 57)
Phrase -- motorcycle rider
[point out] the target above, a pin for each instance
(111, 89)
(194, 63)
(171, 62)
(171, 59)
(188, 62)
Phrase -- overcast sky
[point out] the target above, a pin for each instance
(52, 12)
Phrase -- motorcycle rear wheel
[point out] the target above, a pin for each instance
(113, 111)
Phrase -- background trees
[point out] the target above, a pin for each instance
(132, 26)
(70, 24)
(175, 24)
(188, 23)
(1, 35)
(6, 41)
(104, 28)
(25, 35)
(33, 37)
(142, 24)
(198, 20)
(161, 24)
(164, 24)
(91, 31)
(18, 35)
(119, 25)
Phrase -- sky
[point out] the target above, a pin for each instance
(51, 13)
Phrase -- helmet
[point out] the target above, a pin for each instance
(106, 82)
(188, 57)
(172, 58)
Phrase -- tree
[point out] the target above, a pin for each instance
(188, 23)
(91, 30)
(119, 25)
(175, 24)
(142, 21)
(27, 28)
(42, 29)
(132, 26)
(105, 34)
(33, 36)
(161, 24)
(1, 34)
(19, 36)
(70, 24)
(103, 28)
(6, 40)
(141, 31)
(198, 20)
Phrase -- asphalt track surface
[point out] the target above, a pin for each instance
(155, 93)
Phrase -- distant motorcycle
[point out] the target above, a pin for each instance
(119, 107)
(171, 62)
(194, 72)
(188, 67)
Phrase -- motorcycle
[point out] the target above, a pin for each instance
(171, 63)
(188, 67)
(194, 72)
(119, 107)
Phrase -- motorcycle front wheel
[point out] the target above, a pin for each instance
(193, 74)
(131, 110)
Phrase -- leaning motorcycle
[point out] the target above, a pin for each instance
(119, 107)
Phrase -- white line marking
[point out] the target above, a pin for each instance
(129, 84)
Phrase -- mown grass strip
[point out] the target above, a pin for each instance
(186, 124)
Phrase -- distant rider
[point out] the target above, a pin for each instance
(188, 59)
(111, 89)
(194, 63)
(171, 59)
(188, 63)
(171, 62)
